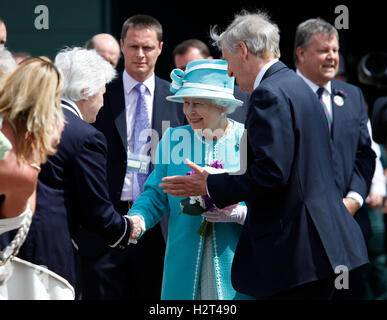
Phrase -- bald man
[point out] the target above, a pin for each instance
(107, 46)
(3, 33)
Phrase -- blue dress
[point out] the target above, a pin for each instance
(185, 247)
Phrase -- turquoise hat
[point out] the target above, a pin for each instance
(204, 79)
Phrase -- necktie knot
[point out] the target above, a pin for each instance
(141, 88)
(320, 92)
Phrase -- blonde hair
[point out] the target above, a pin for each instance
(30, 101)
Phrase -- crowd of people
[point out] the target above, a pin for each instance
(236, 179)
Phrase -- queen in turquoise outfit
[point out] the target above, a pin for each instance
(196, 266)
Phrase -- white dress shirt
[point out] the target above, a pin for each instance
(131, 97)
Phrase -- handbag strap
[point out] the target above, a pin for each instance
(12, 249)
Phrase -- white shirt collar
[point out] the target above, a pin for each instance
(312, 85)
(73, 104)
(130, 83)
(261, 73)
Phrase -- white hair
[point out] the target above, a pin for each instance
(7, 62)
(85, 72)
(260, 35)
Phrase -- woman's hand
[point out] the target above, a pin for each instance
(234, 213)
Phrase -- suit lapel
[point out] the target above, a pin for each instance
(338, 113)
(117, 103)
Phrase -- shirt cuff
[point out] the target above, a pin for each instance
(355, 196)
(123, 235)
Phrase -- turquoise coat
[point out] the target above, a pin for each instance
(184, 248)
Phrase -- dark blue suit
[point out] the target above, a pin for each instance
(297, 228)
(354, 157)
(355, 163)
(136, 273)
(72, 191)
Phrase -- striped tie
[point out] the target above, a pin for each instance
(320, 92)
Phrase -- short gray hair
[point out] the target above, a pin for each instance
(7, 63)
(260, 35)
(83, 69)
(307, 29)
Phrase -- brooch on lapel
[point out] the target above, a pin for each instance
(339, 97)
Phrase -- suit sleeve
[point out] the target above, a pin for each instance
(270, 152)
(90, 187)
(365, 156)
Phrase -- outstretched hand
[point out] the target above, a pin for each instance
(185, 186)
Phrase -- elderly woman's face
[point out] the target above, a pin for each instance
(202, 115)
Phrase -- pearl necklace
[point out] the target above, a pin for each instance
(214, 144)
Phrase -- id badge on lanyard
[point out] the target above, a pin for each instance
(138, 163)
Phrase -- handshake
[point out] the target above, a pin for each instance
(137, 226)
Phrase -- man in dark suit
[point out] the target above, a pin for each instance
(72, 189)
(194, 49)
(297, 232)
(317, 60)
(136, 273)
